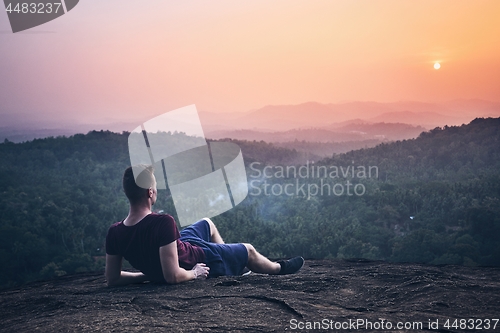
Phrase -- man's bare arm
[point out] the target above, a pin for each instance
(116, 277)
(172, 273)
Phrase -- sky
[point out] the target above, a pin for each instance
(128, 60)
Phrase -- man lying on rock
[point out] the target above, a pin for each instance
(153, 245)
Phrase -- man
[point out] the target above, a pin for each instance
(153, 245)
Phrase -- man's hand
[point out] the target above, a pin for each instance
(200, 271)
(116, 277)
(172, 273)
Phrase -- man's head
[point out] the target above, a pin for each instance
(146, 191)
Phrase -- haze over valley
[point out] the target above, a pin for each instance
(318, 129)
(311, 121)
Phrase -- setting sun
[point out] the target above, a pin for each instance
(437, 65)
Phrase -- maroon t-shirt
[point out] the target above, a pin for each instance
(140, 244)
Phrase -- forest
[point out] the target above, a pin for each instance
(434, 199)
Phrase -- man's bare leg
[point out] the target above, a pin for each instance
(260, 264)
(215, 236)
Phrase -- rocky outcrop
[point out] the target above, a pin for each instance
(327, 293)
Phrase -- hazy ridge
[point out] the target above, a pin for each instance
(303, 120)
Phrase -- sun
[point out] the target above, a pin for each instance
(437, 65)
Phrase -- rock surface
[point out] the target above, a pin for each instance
(325, 291)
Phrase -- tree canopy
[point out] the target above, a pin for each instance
(434, 199)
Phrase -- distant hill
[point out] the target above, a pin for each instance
(426, 119)
(441, 153)
(285, 117)
(353, 131)
(313, 114)
(311, 135)
(270, 118)
(332, 139)
(22, 127)
(472, 107)
(314, 151)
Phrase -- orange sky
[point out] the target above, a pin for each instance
(117, 59)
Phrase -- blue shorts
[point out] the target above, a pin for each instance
(223, 259)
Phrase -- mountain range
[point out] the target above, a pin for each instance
(312, 114)
(309, 121)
